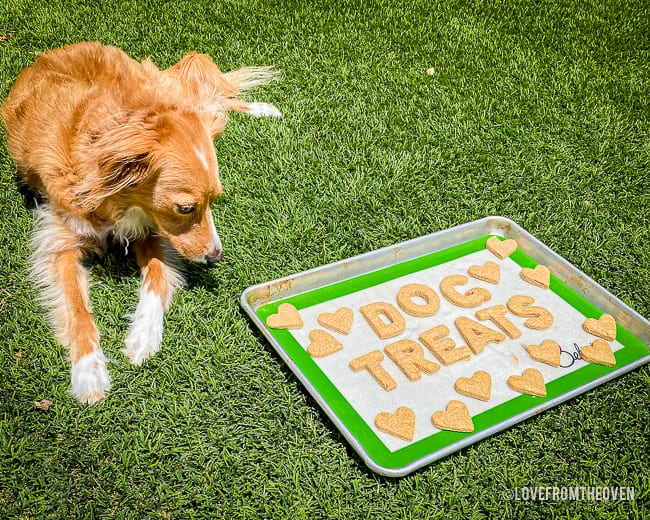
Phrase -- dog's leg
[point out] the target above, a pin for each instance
(160, 279)
(57, 269)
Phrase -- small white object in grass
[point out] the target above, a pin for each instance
(431, 71)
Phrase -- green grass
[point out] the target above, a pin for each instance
(538, 111)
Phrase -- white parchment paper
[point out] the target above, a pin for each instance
(433, 392)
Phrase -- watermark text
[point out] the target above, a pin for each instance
(575, 493)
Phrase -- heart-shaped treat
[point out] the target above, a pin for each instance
(604, 327)
(488, 272)
(479, 386)
(531, 381)
(501, 248)
(548, 351)
(540, 276)
(339, 321)
(599, 352)
(287, 317)
(400, 424)
(455, 418)
(322, 344)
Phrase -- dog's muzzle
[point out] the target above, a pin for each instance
(214, 257)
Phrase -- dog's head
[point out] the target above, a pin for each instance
(164, 164)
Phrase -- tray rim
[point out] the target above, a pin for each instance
(267, 292)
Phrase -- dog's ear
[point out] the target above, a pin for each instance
(119, 157)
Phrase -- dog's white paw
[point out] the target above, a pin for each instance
(264, 110)
(145, 332)
(90, 379)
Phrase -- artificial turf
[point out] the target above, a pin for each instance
(537, 111)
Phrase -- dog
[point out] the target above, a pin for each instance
(120, 150)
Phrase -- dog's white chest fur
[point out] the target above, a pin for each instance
(133, 225)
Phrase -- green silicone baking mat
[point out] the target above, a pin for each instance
(380, 381)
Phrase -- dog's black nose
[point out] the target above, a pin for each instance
(213, 257)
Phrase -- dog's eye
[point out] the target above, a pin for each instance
(185, 210)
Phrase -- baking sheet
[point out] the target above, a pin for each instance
(352, 400)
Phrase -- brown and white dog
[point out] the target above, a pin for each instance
(120, 150)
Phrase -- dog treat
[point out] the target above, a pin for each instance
(477, 336)
(408, 355)
(488, 272)
(339, 321)
(287, 317)
(372, 363)
(531, 381)
(604, 327)
(455, 418)
(548, 351)
(501, 248)
(392, 326)
(472, 298)
(540, 276)
(322, 344)
(479, 386)
(443, 347)
(599, 352)
(538, 317)
(43, 404)
(497, 315)
(406, 303)
(400, 424)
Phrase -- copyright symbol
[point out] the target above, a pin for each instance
(507, 495)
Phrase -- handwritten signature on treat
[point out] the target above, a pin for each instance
(569, 357)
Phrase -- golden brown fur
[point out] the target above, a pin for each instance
(120, 148)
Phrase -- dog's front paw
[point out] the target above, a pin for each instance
(90, 379)
(264, 110)
(141, 343)
(145, 332)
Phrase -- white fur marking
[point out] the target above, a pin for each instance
(145, 332)
(202, 158)
(78, 226)
(215, 241)
(263, 110)
(133, 225)
(90, 379)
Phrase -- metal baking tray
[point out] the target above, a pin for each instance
(363, 274)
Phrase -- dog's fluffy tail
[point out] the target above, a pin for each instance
(202, 77)
(247, 78)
